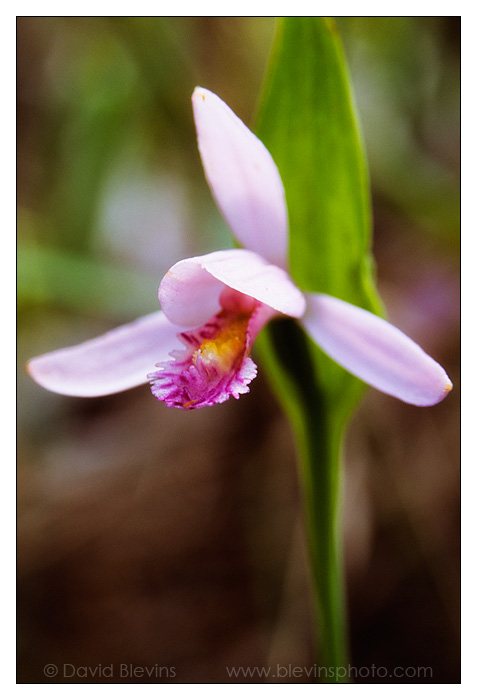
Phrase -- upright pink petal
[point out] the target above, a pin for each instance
(118, 360)
(375, 351)
(190, 291)
(243, 178)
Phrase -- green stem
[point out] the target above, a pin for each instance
(319, 464)
(319, 431)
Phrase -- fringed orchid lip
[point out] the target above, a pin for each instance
(214, 305)
(215, 362)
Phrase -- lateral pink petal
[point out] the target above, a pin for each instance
(190, 291)
(243, 178)
(375, 351)
(116, 361)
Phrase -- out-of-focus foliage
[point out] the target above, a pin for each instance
(406, 72)
(108, 166)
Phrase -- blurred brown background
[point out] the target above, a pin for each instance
(152, 536)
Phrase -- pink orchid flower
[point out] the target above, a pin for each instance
(196, 351)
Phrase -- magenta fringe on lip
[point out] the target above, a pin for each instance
(187, 382)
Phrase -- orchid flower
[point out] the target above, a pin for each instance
(196, 351)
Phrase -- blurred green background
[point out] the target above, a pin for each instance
(151, 536)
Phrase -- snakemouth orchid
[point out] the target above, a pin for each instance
(195, 351)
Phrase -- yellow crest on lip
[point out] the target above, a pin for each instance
(222, 352)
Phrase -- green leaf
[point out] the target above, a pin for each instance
(308, 122)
